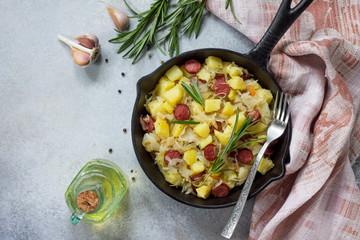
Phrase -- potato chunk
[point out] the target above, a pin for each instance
(203, 191)
(223, 137)
(173, 177)
(204, 142)
(237, 83)
(257, 128)
(264, 94)
(228, 109)
(241, 120)
(190, 156)
(204, 74)
(202, 130)
(164, 85)
(214, 62)
(174, 73)
(174, 95)
(265, 165)
(162, 128)
(212, 105)
(232, 94)
(197, 167)
(177, 129)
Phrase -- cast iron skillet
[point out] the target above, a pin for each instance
(256, 61)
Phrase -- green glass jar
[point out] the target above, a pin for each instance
(106, 180)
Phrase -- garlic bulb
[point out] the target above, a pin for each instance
(120, 19)
(86, 51)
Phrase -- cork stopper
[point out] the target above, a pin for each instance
(87, 201)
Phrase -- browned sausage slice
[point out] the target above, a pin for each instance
(244, 76)
(221, 191)
(172, 157)
(192, 66)
(197, 177)
(271, 148)
(182, 112)
(245, 137)
(195, 79)
(256, 115)
(244, 155)
(221, 88)
(210, 152)
(147, 123)
(219, 126)
(219, 77)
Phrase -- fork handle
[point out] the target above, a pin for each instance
(235, 216)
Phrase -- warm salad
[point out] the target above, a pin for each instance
(193, 111)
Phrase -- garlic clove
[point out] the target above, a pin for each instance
(120, 19)
(86, 51)
(80, 58)
(88, 40)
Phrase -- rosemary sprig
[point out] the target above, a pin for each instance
(187, 17)
(231, 145)
(149, 22)
(229, 3)
(194, 91)
(195, 15)
(185, 122)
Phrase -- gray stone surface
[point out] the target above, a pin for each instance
(55, 116)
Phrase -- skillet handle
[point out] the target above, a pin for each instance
(284, 18)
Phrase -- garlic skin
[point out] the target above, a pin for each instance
(80, 58)
(86, 51)
(120, 19)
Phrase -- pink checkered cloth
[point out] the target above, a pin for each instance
(318, 63)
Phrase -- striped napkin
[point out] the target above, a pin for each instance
(318, 63)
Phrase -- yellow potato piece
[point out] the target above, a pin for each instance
(202, 130)
(241, 120)
(265, 165)
(228, 109)
(190, 156)
(173, 177)
(177, 129)
(212, 105)
(174, 95)
(237, 83)
(204, 142)
(197, 167)
(174, 73)
(214, 62)
(164, 85)
(162, 128)
(203, 191)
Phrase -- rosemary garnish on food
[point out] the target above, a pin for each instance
(231, 145)
(194, 91)
(185, 122)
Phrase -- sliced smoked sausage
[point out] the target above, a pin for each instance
(192, 66)
(219, 76)
(172, 157)
(197, 177)
(210, 152)
(244, 155)
(182, 112)
(221, 88)
(256, 115)
(147, 123)
(221, 191)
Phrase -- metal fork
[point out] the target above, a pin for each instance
(281, 113)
